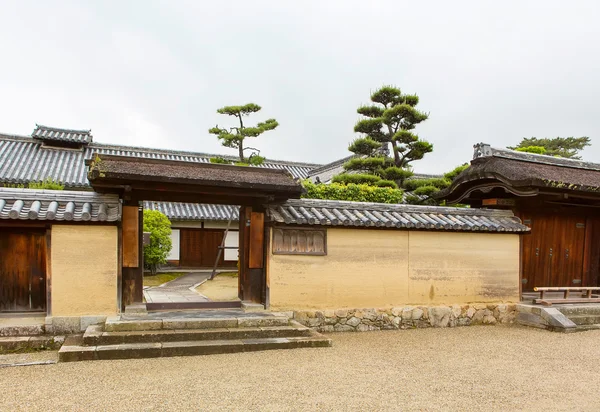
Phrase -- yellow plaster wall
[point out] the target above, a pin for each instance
(84, 270)
(384, 268)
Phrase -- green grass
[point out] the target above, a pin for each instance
(160, 278)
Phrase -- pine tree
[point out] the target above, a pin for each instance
(234, 137)
(389, 121)
(568, 147)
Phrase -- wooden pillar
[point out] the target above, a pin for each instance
(252, 261)
(133, 266)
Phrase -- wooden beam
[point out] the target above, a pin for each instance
(498, 202)
(131, 237)
(257, 237)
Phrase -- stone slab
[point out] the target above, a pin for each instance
(129, 351)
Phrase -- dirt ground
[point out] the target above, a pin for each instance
(223, 288)
(468, 369)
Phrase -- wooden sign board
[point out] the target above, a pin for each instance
(498, 202)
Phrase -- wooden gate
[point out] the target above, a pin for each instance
(199, 247)
(554, 253)
(22, 270)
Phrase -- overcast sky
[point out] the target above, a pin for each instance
(153, 73)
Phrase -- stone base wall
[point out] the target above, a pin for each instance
(407, 317)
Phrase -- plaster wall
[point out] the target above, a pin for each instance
(368, 268)
(84, 262)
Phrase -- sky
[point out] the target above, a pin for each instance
(152, 73)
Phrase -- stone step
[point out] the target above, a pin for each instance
(584, 319)
(79, 352)
(95, 335)
(116, 324)
(15, 344)
(589, 309)
(583, 328)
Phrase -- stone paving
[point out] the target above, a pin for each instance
(179, 290)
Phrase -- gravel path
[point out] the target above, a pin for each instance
(178, 290)
(470, 368)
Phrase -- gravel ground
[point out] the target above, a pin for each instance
(470, 368)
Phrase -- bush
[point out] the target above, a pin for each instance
(357, 179)
(352, 192)
(48, 184)
(156, 252)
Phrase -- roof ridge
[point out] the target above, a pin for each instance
(61, 129)
(400, 206)
(484, 150)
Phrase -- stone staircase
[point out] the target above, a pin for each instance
(188, 335)
(560, 318)
(586, 317)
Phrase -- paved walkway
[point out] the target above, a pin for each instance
(178, 290)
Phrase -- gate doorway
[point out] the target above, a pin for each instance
(553, 255)
(22, 270)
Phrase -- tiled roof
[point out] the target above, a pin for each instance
(23, 160)
(64, 135)
(194, 211)
(338, 213)
(57, 205)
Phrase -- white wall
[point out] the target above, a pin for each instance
(232, 239)
(174, 253)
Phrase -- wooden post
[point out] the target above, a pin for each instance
(133, 267)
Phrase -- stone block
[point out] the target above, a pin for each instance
(86, 321)
(66, 324)
(397, 311)
(113, 325)
(439, 316)
(343, 328)
(326, 329)
(417, 314)
(353, 321)
(470, 312)
(341, 313)
(77, 353)
(192, 348)
(12, 343)
(259, 321)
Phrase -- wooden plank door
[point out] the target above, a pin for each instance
(536, 254)
(22, 271)
(569, 243)
(199, 247)
(210, 243)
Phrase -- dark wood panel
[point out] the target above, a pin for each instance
(22, 270)
(131, 237)
(257, 240)
(536, 250)
(200, 247)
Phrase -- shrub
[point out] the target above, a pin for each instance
(352, 192)
(156, 252)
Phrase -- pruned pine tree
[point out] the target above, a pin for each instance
(389, 121)
(568, 147)
(234, 137)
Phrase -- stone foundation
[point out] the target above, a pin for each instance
(406, 317)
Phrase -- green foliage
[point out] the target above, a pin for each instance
(220, 160)
(357, 178)
(451, 175)
(532, 149)
(568, 147)
(388, 122)
(256, 160)
(234, 137)
(352, 192)
(437, 182)
(156, 252)
(46, 184)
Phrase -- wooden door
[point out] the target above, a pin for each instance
(536, 255)
(569, 243)
(199, 247)
(22, 270)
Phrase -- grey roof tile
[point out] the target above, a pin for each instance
(339, 213)
(58, 205)
(65, 135)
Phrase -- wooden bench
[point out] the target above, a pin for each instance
(586, 295)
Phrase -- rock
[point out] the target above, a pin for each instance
(396, 321)
(417, 314)
(359, 314)
(501, 308)
(329, 313)
(480, 306)
(407, 313)
(341, 313)
(343, 328)
(470, 312)
(397, 311)
(487, 312)
(456, 311)
(477, 317)
(326, 329)
(489, 320)
(363, 328)
(331, 321)
(313, 322)
(370, 314)
(439, 316)
(353, 321)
